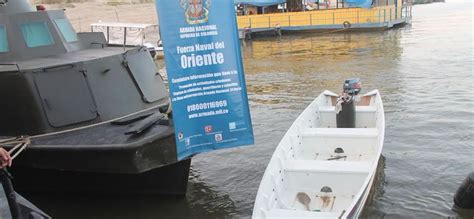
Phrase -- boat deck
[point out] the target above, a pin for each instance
(61, 59)
(337, 160)
(107, 147)
(320, 170)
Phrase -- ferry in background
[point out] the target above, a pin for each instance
(254, 16)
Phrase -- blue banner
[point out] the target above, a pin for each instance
(260, 3)
(360, 3)
(205, 75)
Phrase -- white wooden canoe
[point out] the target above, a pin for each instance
(306, 178)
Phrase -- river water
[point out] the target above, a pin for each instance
(424, 72)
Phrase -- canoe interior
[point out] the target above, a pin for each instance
(319, 170)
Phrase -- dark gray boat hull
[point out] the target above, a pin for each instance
(168, 180)
(103, 159)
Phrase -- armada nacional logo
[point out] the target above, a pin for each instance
(196, 11)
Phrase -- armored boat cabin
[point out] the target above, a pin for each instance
(94, 114)
(52, 78)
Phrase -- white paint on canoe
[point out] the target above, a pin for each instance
(305, 163)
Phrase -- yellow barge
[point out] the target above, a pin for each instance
(392, 13)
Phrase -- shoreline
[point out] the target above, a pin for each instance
(81, 15)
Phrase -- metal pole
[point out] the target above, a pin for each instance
(396, 9)
(143, 36)
(108, 35)
(80, 24)
(124, 37)
(379, 15)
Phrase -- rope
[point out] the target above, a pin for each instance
(20, 143)
(346, 27)
(335, 31)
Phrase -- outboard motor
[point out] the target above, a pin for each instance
(345, 106)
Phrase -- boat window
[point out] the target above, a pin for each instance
(143, 71)
(3, 39)
(65, 95)
(66, 30)
(36, 34)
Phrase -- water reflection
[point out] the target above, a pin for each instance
(200, 202)
(334, 47)
(376, 192)
(298, 67)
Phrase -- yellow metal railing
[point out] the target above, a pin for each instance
(324, 17)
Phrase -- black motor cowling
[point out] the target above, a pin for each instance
(352, 86)
(345, 106)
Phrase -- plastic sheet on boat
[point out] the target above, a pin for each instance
(359, 3)
(259, 3)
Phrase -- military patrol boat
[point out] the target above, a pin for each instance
(85, 116)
